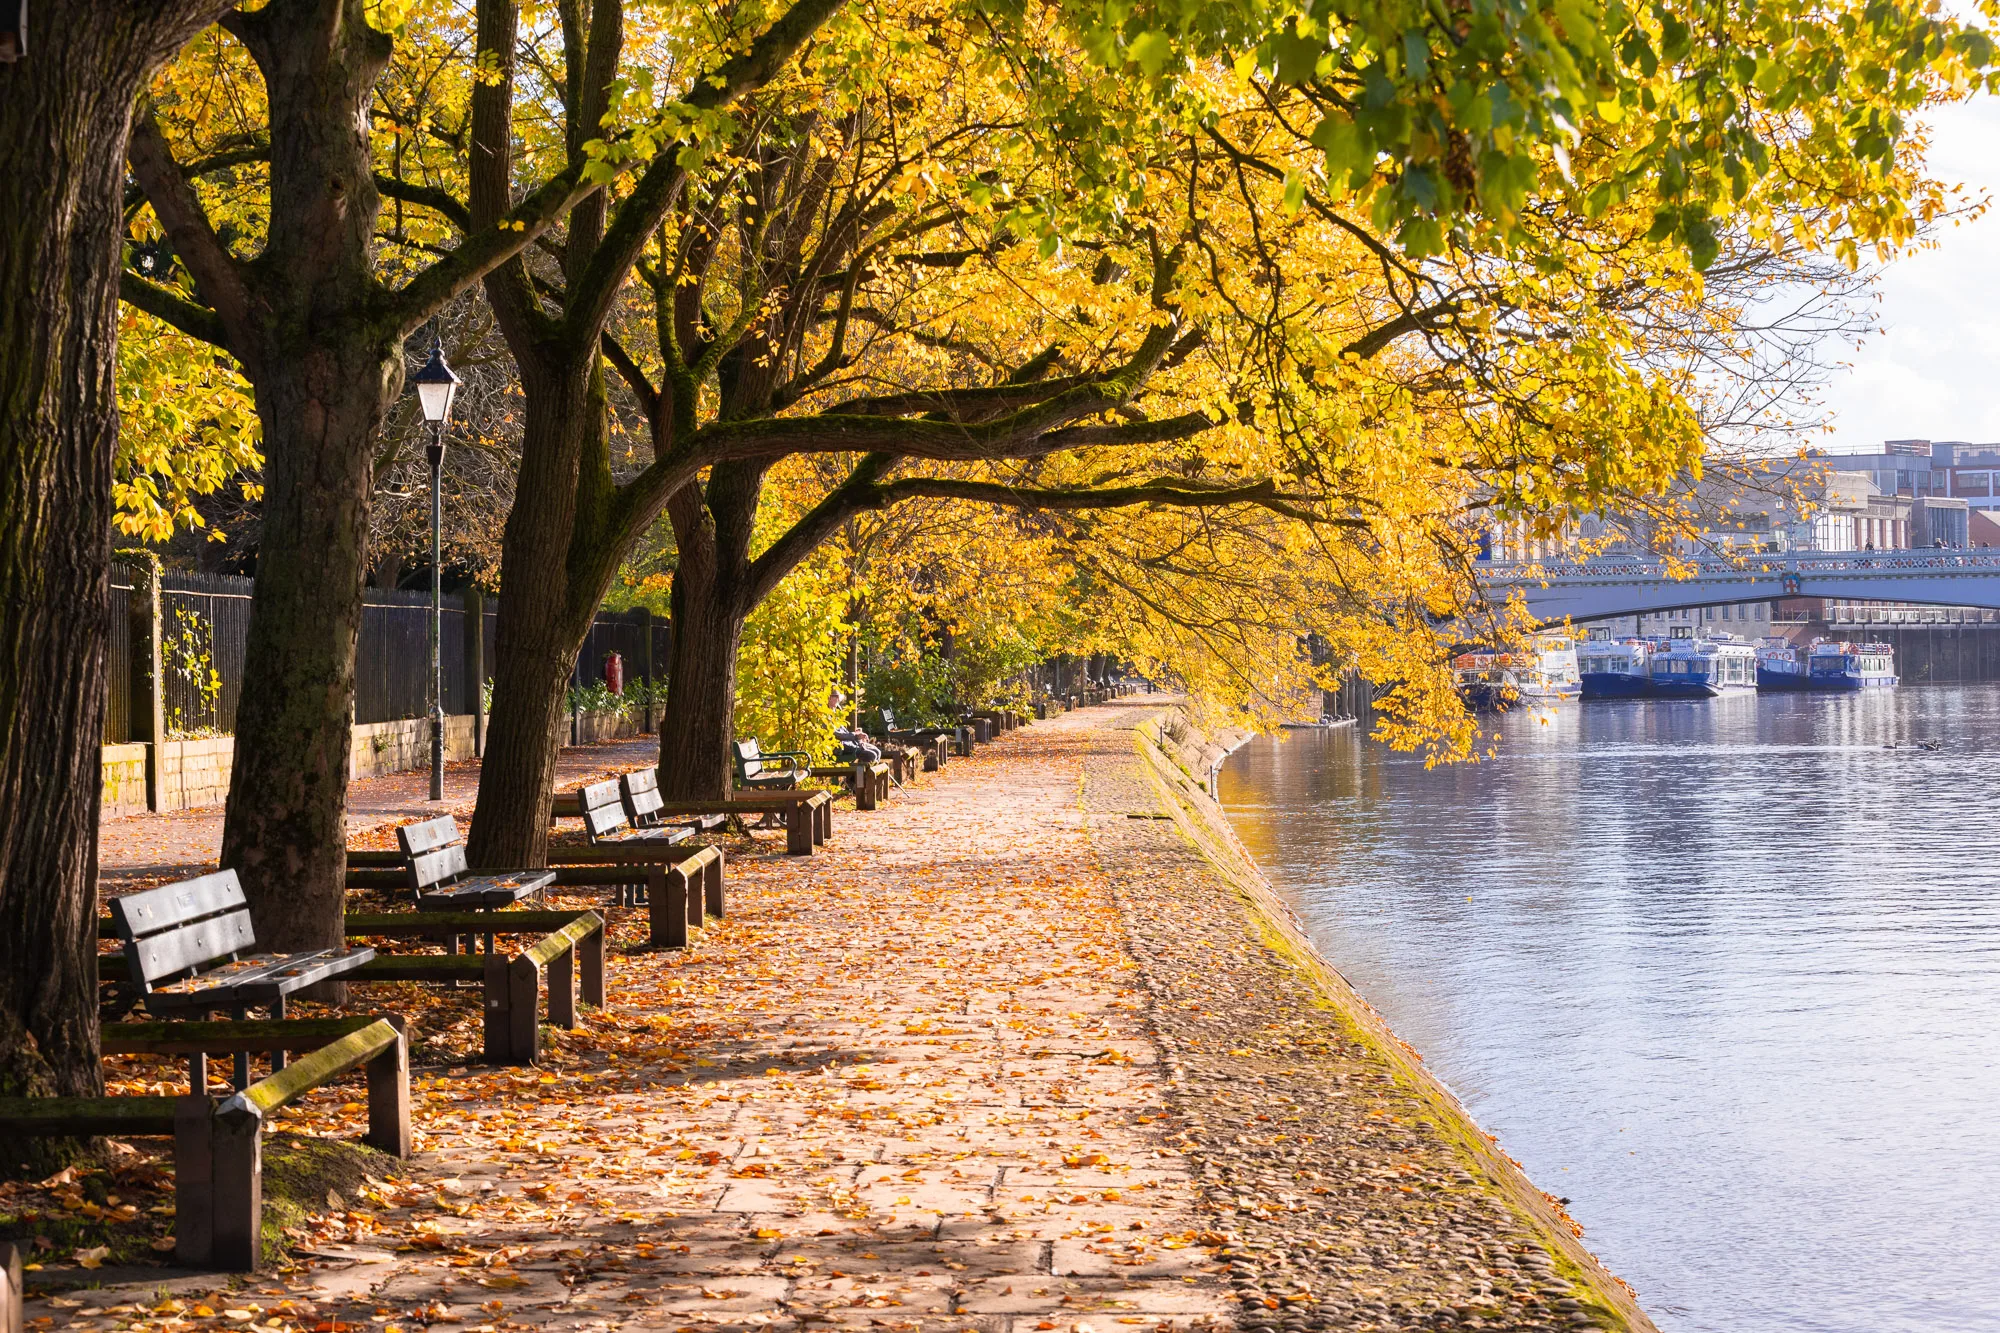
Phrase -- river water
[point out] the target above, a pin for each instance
(1725, 974)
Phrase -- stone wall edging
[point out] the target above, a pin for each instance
(1167, 743)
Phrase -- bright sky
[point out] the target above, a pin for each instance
(1932, 372)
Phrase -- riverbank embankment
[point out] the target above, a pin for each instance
(1032, 1047)
(1356, 1189)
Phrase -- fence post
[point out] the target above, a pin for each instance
(474, 600)
(146, 704)
(646, 662)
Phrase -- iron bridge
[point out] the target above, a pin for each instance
(1624, 586)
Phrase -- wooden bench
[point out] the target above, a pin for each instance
(682, 885)
(607, 819)
(640, 790)
(218, 1143)
(808, 817)
(869, 780)
(780, 770)
(434, 858)
(936, 742)
(189, 950)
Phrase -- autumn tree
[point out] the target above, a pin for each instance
(1456, 156)
(65, 112)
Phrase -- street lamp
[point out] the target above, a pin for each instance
(436, 387)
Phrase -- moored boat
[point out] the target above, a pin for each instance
(1780, 666)
(1610, 668)
(1691, 668)
(1851, 666)
(1546, 674)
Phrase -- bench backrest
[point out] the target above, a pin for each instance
(641, 790)
(177, 928)
(602, 808)
(432, 852)
(749, 758)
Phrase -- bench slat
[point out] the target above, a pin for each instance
(176, 950)
(258, 979)
(324, 1065)
(41, 1116)
(437, 867)
(427, 836)
(440, 923)
(291, 1034)
(421, 967)
(152, 910)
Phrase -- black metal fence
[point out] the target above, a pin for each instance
(636, 636)
(204, 627)
(118, 661)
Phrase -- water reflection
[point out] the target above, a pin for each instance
(1726, 974)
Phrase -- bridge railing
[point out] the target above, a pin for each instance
(1924, 560)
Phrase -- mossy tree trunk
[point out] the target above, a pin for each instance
(65, 113)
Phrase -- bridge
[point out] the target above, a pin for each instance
(1624, 585)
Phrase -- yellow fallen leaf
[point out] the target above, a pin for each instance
(93, 1257)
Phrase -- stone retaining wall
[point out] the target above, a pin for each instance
(124, 779)
(195, 772)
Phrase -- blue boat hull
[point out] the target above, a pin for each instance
(1693, 687)
(1853, 684)
(1781, 681)
(1615, 685)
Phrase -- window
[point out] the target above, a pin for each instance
(1973, 483)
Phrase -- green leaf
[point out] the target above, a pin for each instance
(1151, 50)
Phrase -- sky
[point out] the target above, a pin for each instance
(1932, 371)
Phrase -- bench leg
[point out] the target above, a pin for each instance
(194, 1181)
(822, 822)
(711, 876)
(10, 1290)
(389, 1100)
(591, 968)
(242, 1061)
(799, 823)
(864, 789)
(238, 1147)
(499, 1031)
(667, 912)
(524, 986)
(690, 882)
(562, 989)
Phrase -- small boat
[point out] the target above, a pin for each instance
(1615, 668)
(1780, 668)
(1691, 668)
(1546, 674)
(1851, 666)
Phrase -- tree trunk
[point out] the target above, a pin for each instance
(285, 830)
(695, 733)
(325, 374)
(713, 528)
(65, 114)
(543, 616)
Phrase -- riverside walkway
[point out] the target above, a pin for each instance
(1012, 1054)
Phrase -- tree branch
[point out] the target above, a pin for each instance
(486, 250)
(441, 202)
(218, 277)
(168, 306)
(593, 291)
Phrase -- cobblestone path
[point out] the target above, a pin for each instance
(1001, 1057)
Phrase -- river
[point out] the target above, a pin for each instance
(1724, 974)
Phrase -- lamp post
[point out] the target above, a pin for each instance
(436, 387)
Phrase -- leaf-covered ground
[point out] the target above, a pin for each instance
(998, 1058)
